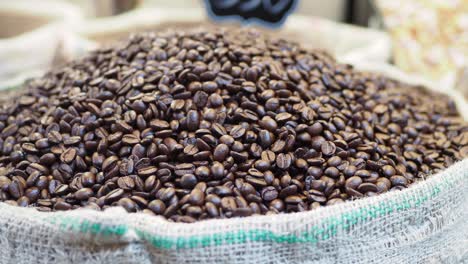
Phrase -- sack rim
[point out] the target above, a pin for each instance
(325, 221)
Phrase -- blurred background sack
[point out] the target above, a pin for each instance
(32, 38)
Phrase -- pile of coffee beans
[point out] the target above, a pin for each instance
(217, 124)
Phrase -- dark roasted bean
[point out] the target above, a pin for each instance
(388, 170)
(62, 206)
(211, 209)
(84, 194)
(353, 182)
(68, 155)
(16, 189)
(367, 187)
(188, 181)
(217, 170)
(167, 194)
(220, 152)
(398, 180)
(127, 204)
(328, 148)
(61, 190)
(147, 171)
(228, 203)
(190, 150)
(197, 197)
(126, 183)
(216, 124)
(283, 161)
(114, 195)
(237, 131)
(269, 193)
(332, 172)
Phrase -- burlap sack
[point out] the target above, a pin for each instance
(426, 223)
(33, 38)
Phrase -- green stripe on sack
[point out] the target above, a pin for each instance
(323, 231)
(74, 224)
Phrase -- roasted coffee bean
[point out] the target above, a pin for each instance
(32, 179)
(62, 206)
(388, 170)
(349, 171)
(223, 191)
(72, 141)
(130, 139)
(383, 184)
(212, 210)
(362, 173)
(293, 199)
(42, 143)
(47, 159)
(16, 189)
(68, 155)
(217, 170)
(283, 161)
(228, 203)
(54, 137)
(269, 193)
(201, 127)
(151, 184)
(184, 168)
(242, 212)
(127, 204)
(9, 130)
(126, 183)
(268, 123)
(167, 194)
(287, 191)
(328, 148)
(237, 131)
(61, 190)
(268, 156)
(332, 172)
(316, 197)
(157, 206)
(188, 181)
(220, 152)
(114, 195)
(197, 197)
(140, 201)
(398, 180)
(190, 150)
(5, 182)
(367, 187)
(84, 194)
(334, 161)
(262, 165)
(32, 193)
(193, 120)
(23, 201)
(109, 163)
(353, 182)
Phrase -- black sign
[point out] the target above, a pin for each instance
(267, 12)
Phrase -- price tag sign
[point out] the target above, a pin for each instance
(270, 13)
